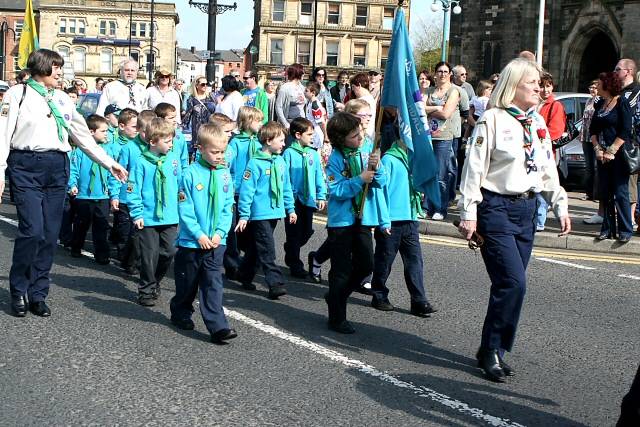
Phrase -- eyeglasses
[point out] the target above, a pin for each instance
(202, 84)
(320, 75)
(593, 87)
(443, 72)
(246, 78)
(364, 115)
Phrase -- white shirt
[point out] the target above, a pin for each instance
(496, 162)
(117, 93)
(155, 97)
(230, 105)
(32, 127)
(371, 129)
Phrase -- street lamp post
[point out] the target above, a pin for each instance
(213, 9)
(445, 5)
(4, 31)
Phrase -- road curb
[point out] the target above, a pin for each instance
(547, 240)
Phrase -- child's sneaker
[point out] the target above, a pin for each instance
(315, 269)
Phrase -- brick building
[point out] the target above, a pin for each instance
(191, 63)
(11, 20)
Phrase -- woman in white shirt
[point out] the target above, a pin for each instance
(509, 161)
(232, 100)
(162, 91)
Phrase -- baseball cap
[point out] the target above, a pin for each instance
(112, 109)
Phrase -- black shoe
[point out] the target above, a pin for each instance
(422, 310)
(277, 291)
(382, 305)
(508, 370)
(39, 308)
(19, 306)
(103, 261)
(624, 239)
(231, 274)
(184, 324)
(248, 286)
(489, 362)
(317, 278)
(603, 236)
(343, 327)
(76, 254)
(298, 273)
(222, 335)
(146, 301)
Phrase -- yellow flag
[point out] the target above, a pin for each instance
(28, 37)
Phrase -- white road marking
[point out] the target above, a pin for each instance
(629, 276)
(364, 368)
(566, 264)
(372, 371)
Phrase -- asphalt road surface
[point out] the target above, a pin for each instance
(101, 359)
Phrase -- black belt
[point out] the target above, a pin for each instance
(524, 196)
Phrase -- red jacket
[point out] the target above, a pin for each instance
(554, 116)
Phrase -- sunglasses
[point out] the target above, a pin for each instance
(476, 241)
(165, 76)
(202, 84)
(320, 74)
(246, 78)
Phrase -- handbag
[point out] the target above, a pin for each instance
(631, 154)
(570, 130)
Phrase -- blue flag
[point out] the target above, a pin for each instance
(401, 91)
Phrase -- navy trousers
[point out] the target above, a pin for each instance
(630, 408)
(94, 214)
(199, 269)
(261, 251)
(507, 225)
(39, 184)
(157, 248)
(404, 237)
(127, 238)
(298, 235)
(614, 193)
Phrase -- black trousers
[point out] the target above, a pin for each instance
(68, 217)
(157, 248)
(94, 214)
(261, 251)
(323, 253)
(405, 238)
(127, 237)
(39, 185)
(236, 242)
(199, 269)
(630, 413)
(351, 262)
(298, 235)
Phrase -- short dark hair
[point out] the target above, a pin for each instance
(163, 109)
(295, 72)
(611, 83)
(360, 79)
(546, 78)
(299, 124)
(340, 126)
(427, 75)
(41, 62)
(254, 75)
(314, 87)
(94, 120)
(441, 63)
(343, 73)
(230, 84)
(126, 115)
(70, 90)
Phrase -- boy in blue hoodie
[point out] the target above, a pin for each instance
(265, 197)
(309, 191)
(153, 205)
(88, 182)
(126, 131)
(242, 147)
(404, 208)
(111, 114)
(167, 111)
(205, 209)
(353, 212)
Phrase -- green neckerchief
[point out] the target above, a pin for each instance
(276, 191)
(113, 130)
(142, 145)
(47, 94)
(305, 152)
(212, 206)
(414, 196)
(159, 180)
(254, 145)
(97, 170)
(354, 163)
(121, 138)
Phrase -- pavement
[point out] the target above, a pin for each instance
(582, 237)
(101, 359)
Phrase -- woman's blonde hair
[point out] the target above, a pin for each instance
(356, 105)
(247, 115)
(193, 89)
(505, 89)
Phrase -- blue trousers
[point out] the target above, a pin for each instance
(404, 237)
(199, 269)
(298, 235)
(94, 214)
(507, 225)
(541, 211)
(261, 250)
(442, 150)
(39, 184)
(614, 193)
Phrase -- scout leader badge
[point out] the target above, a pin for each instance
(525, 119)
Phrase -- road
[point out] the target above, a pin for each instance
(101, 359)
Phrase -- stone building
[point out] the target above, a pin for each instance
(581, 38)
(191, 63)
(94, 36)
(11, 21)
(353, 35)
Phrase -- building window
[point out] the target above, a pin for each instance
(108, 28)
(135, 55)
(359, 54)
(81, 27)
(387, 21)
(384, 55)
(142, 29)
(333, 14)
(276, 51)
(19, 23)
(362, 13)
(134, 29)
(63, 25)
(332, 53)
(304, 52)
(106, 61)
(306, 9)
(278, 11)
(79, 59)
(72, 26)
(64, 52)
(150, 61)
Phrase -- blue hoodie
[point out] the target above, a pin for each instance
(397, 190)
(130, 154)
(193, 206)
(317, 186)
(242, 148)
(80, 175)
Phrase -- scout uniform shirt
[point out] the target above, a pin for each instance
(399, 190)
(242, 148)
(344, 190)
(31, 126)
(91, 179)
(132, 96)
(130, 154)
(256, 201)
(305, 171)
(199, 215)
(496, 161)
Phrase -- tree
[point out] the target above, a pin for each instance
(427, 41)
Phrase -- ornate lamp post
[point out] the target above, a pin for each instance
(4, 32)
(445, 5)
(213, 9)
